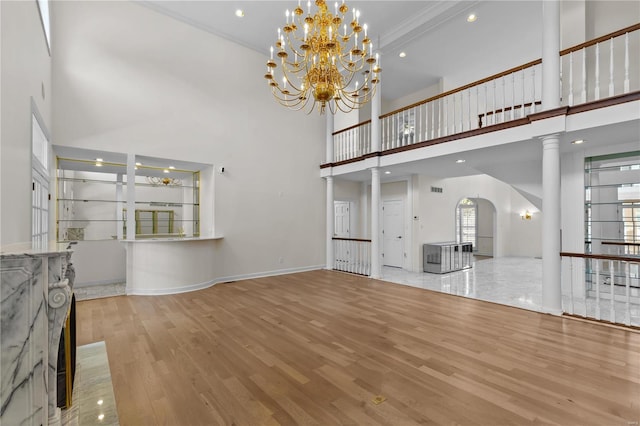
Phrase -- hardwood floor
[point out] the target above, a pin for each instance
(316, 348)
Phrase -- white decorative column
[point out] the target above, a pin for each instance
(551, 289)
(329, 138)
(376, 107)
(551, 272)
(550, 54)
(376, 271)
(330, 223)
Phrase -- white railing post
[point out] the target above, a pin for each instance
(572, 309)
(330, 223)
(626, 63)
(597, 72)
(597, 261)
(375, 223)
(612, 314)
(570, 78)
(627, 284)
(611, 87)
(583, 92)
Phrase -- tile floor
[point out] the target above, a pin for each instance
(512, 281)
(93, 402)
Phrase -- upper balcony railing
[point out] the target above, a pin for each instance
(604, 67)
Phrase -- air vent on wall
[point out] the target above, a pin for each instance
(436, 189)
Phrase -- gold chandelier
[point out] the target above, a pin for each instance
(319, 60)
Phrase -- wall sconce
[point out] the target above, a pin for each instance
(525, 215)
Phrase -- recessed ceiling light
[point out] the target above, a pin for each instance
(100, 402)
(171, 167)
(387, 172)
(98, 164)
(472, 18)
(460, 161)
(239, 13)
(101, 417)
(166, 170)
(577, 142)
(402, 54)
(99, 160)
(138, 164)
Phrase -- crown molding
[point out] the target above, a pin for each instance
(428, 19)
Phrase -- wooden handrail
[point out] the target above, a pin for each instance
(351, 127)
(595, 41)
(460, 89)
(351, 239)
(619, 243)
(614, 34)
(601, 256)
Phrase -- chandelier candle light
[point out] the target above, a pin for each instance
(322, 57)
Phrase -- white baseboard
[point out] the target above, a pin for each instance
(96, 283)
(171, 290)
(269, 273)
(207, 284)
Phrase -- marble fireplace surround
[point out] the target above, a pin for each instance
(35, 294)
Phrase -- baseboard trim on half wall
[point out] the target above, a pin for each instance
(207, 284)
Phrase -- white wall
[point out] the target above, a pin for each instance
(129, 79)
(25, 73)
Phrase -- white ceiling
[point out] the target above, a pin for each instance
(435, 35)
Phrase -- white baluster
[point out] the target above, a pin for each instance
(597, 261)
(626, 63)
(453, 119)
(513, 95)
(612, 316)
(533, 90)
(440, 101)
(486, 104)
(493, 98)
(446, 114)
(385, 135)
(478, 104)
(461, 111)
(611, 89)
(627, 283)
(570, 78)
(584, 76)
(597, 89)
(522, 114)
(503, 104)
(571, 307)
(433, 119)
(469, 109)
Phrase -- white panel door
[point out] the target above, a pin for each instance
(341, 224)
(393, 233)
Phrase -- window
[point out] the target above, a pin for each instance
(612, 201)
(466, 220)
(40, 184)
(43, 8)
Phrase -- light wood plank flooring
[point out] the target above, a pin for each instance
(317, 348)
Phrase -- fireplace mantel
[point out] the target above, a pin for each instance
(35, 293)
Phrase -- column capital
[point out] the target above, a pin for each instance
(553, 137)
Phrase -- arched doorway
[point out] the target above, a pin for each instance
(476, 223)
